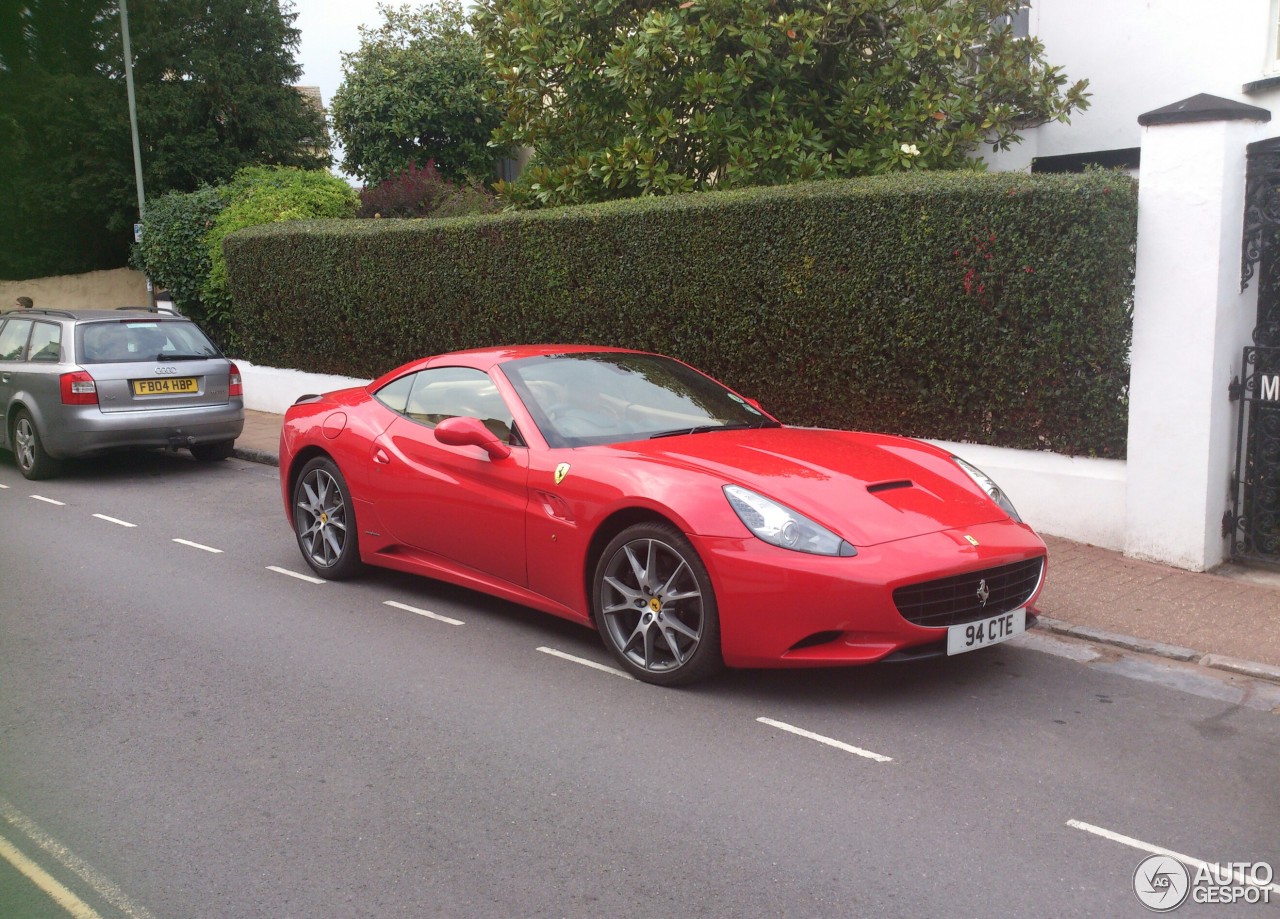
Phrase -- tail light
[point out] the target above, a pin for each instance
(236, 385)
(78, 388)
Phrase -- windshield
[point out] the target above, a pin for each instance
(121, 341)
(612, 397)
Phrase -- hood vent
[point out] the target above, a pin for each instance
(889, 486)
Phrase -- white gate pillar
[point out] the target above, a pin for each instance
(1190, 323)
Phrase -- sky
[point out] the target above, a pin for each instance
(330, 28)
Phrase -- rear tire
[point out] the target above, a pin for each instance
(212, 453)
(29, 453)
(325, 521)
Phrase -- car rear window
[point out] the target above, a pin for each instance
(121, 341)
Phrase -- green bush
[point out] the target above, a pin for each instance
(267, 194)
(986, 308)
(173, 251)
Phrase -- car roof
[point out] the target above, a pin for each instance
(123, 314)
(485, 358)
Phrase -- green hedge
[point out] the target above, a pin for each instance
(962, 306)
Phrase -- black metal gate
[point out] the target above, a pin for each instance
(1253, 522)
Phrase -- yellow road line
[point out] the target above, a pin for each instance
(42, 879)
(101, 885)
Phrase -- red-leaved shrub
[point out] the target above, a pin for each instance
(421, 191)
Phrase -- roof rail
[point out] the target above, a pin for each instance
(150, 309)
(41, 311)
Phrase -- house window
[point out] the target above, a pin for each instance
(1020, 20)
(1273, 39)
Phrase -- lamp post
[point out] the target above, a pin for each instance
(133, 127)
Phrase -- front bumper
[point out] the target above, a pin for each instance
(787, 609)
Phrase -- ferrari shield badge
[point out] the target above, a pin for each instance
(561, 471)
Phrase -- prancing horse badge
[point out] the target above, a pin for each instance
(561, 471)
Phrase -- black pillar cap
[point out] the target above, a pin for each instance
(1204, 107)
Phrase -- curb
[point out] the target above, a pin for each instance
(254, 455)
(1251, 669)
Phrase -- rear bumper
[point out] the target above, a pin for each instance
(788, 609)
(84, 430)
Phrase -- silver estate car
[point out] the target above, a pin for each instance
(75, 383)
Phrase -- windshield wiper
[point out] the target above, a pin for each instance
(178, 356)
(705, 428)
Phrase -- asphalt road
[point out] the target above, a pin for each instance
(189, 733)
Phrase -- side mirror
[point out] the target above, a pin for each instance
(755, 403)
(461, 431)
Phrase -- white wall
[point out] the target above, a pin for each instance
(1075, 497)
(1141, 55)
(270, 389)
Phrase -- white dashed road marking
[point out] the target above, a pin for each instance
(48, 500)
(423, 612)
(1141, 846)
(123, 523)
(196, 545)
(830, 742)
(586, 663)
(293, 574)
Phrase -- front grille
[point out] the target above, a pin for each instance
(951, 601)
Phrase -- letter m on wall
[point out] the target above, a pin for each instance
(1269, 388)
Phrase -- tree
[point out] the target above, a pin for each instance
(215, 91)
(413, 92)
(66, 175)
(213, 88)
(619, 98)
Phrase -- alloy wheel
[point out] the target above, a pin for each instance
(651, 605)
(321, 518)
(24, 437)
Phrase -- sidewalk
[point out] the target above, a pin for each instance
(1229, 619)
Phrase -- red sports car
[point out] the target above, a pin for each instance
(634, 494)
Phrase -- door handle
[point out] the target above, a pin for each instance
(380, 457)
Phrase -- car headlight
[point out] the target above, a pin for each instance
(993, 490)
(780, 526)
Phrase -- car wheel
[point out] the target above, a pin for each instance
(33, 461)
(655, 607)
(325, 521)
(210, 453)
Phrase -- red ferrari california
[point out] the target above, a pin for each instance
(634, 494)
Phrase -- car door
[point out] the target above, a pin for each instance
(453, 502)
(13, 345)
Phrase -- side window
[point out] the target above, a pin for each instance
(448, 392)
(395, 395)
(13, 339)
(46, 342)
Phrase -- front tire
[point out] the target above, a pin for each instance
(29, 453)
(325, 521)
(655, 607)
